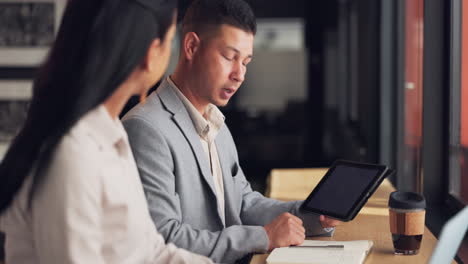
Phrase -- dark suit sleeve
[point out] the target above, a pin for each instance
(156, 167)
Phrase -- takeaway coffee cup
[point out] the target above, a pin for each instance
(407, 213)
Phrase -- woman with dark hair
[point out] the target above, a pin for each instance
(70, 190)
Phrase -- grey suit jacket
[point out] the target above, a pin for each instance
(179, 186)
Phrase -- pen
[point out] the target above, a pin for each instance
(318, 246)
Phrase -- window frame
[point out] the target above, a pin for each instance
(454, 135)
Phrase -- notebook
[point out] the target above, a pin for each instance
(353, 252)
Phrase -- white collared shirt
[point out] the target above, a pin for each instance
(91, 207)
(207, 127)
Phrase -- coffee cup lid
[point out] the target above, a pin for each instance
(406, 200)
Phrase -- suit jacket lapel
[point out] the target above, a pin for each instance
(228, 181)
(180, 116)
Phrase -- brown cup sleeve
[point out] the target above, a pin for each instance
(407, 223)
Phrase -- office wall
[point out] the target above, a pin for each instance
(273, 79)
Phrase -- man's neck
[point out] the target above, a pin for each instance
(183, 84)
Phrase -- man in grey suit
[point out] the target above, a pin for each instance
(198, 196)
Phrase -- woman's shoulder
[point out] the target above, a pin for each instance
(90, 135)
(78, 152)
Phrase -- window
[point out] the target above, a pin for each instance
(410, 143)
(458, 181)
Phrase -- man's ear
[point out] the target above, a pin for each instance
(190, 44)
(151, 58)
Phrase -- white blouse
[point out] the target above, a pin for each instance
(90, 208)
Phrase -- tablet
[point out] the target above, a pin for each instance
(344, 189)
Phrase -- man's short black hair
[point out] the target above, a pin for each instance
(202, 14)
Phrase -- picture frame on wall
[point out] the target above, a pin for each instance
(27, 30)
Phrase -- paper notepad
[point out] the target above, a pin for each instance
(353, 252)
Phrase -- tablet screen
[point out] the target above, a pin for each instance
(342, 189)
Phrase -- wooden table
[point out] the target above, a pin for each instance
(370, 224)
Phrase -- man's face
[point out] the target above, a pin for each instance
(221, 63)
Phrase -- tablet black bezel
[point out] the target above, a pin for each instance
(383, 172)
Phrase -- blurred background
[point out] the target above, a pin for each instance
(366, 80)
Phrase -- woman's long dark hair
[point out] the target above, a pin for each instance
(99, 44)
